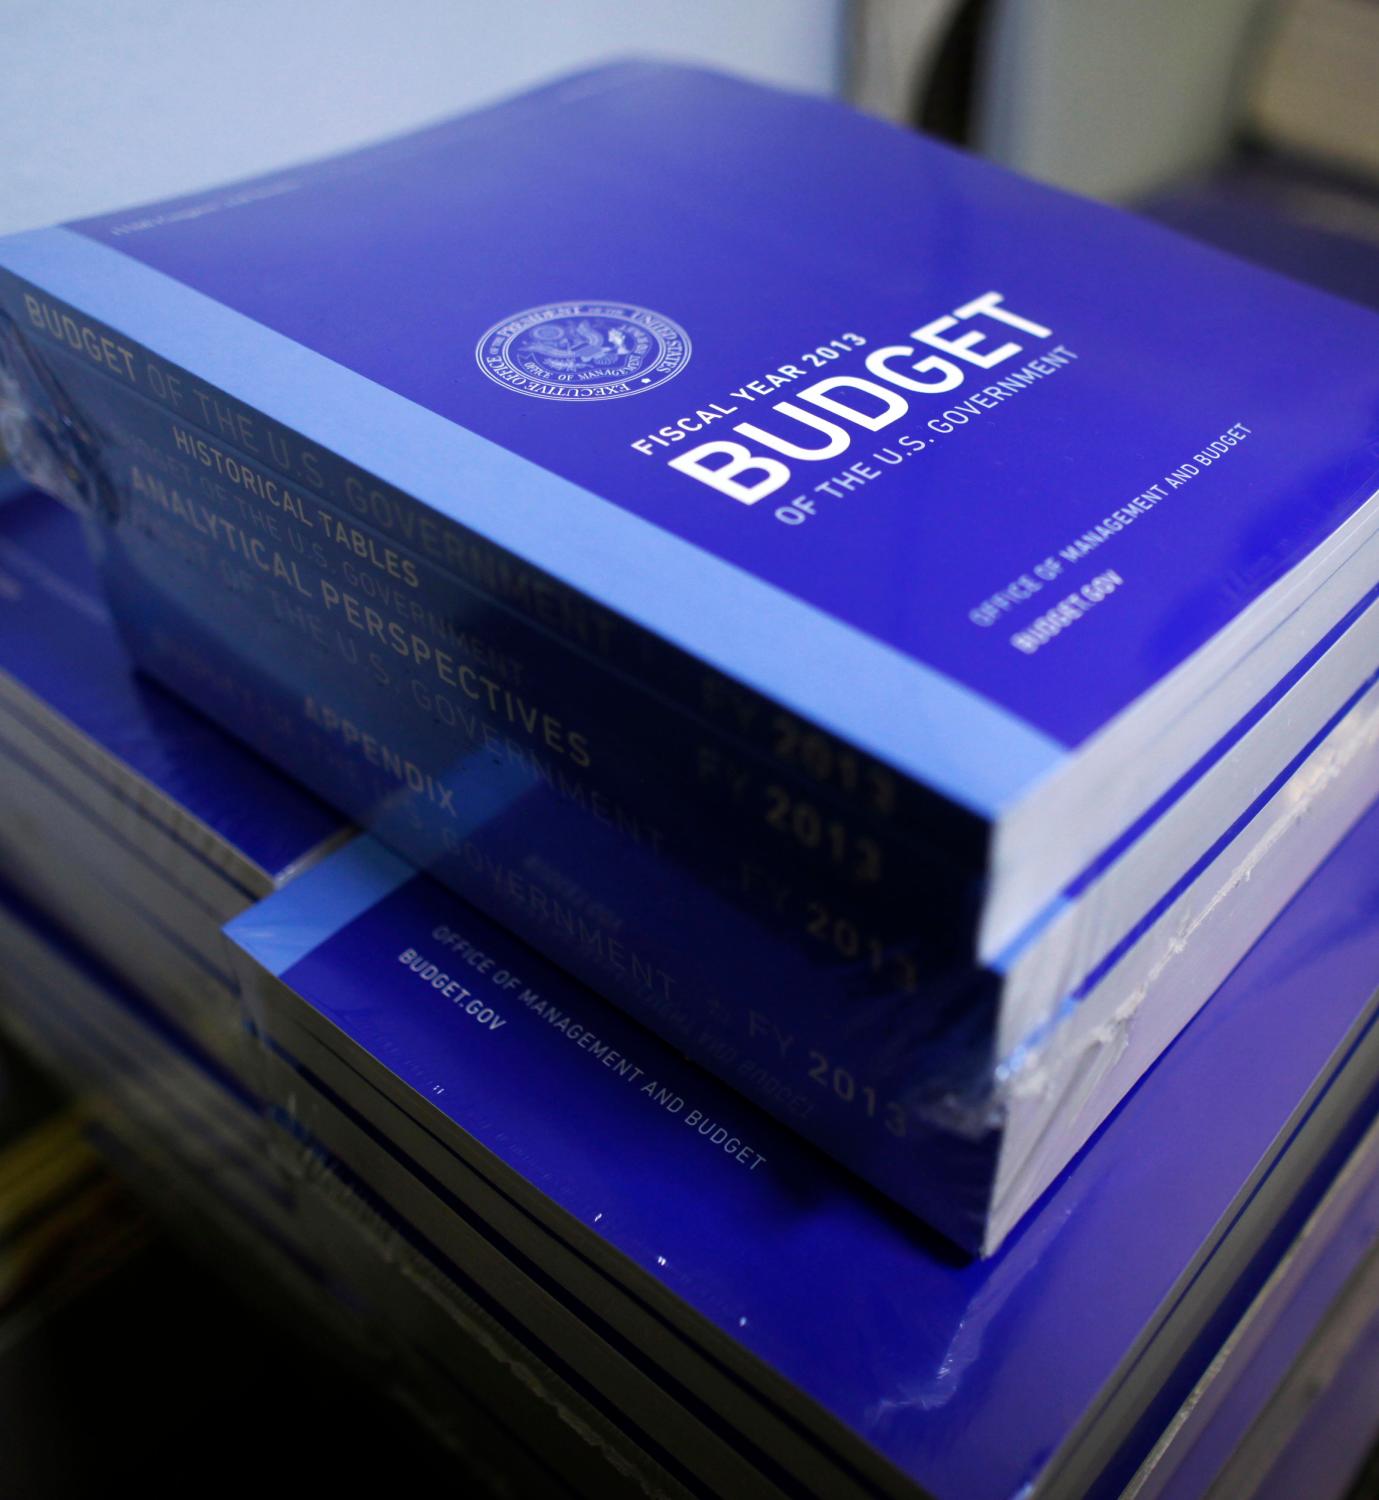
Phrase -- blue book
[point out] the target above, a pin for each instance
(798, 553)
(677, 1246)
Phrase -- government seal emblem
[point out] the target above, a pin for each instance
(584, 351)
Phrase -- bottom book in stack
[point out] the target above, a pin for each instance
(759, 1322)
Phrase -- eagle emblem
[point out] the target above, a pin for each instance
(583, 351)
(564, 347)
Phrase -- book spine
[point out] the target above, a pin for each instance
(622, 848)
(36, 327)
(467, 671)
(784, 805)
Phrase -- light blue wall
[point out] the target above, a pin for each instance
(107, 105)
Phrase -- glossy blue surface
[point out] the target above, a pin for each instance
(767, 225)
(57, 640)
(378, 450)
(965, 1375)
(1295, 217)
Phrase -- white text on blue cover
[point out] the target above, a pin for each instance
(747, 475)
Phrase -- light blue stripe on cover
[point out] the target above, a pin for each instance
(905, 713)
(293, 921)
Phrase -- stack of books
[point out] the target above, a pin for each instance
(588, 1238)
(839, 653)
(932, 624)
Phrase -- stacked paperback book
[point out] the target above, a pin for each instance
(756, 1317)
(828, 710)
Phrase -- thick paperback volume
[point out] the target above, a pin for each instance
(739, 1301)
(868, 614)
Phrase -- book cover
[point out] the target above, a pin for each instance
(814, 1324)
